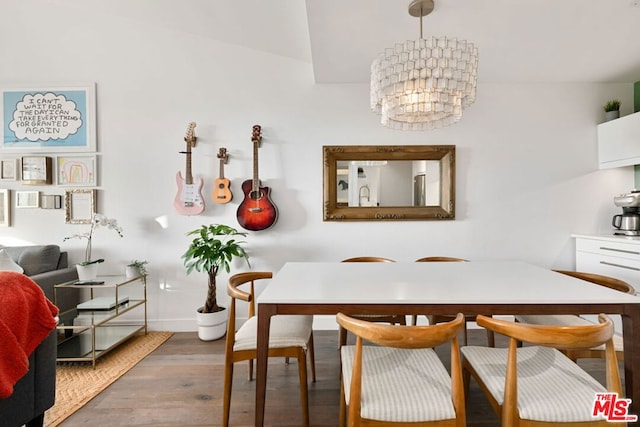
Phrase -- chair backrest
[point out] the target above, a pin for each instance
(562, 338)
(599, 279)
(235, 293)
(368, 259)
(402, 336)
(441, 259)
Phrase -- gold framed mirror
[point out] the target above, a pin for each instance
(389, 182)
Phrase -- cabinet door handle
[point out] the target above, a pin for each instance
(604, 248)
(619, 265)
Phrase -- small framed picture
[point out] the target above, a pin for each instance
(5, 204)
(9, 170)
(36, 170)
(27, 199)
(77, 171)
(79, 205)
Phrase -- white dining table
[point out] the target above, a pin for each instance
(491, 288)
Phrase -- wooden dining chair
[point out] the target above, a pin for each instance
(537, 385)
(290, 336)
(382, 318)
(575, 320)
(400, 381)
(439, 318)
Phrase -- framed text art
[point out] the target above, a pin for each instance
(27, 199)
(51, 118)
(8, 169)
(5, 204)
(36, 170)
(79, 205)
(77, 170)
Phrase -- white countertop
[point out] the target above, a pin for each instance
(609, 238)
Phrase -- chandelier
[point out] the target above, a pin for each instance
(424, 84)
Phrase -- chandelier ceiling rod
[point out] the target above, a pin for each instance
(420, 8)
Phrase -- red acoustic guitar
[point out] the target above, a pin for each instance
(257, 211)
(221, 192)
(188, 200)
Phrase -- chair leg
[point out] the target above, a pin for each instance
(491, 338)
(465, 332)
(250, 373)
(414, 319)
(342, 340)
(312, 358)
(304, 395)
(342, 416)
(228, 383)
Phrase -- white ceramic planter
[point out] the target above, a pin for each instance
(211, 326)
(87, 272)
(131, 272)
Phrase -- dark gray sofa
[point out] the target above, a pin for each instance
(34, 393)
(47, 266)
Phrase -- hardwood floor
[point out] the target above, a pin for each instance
(180, 384)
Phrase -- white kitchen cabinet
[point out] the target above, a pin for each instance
(619, 142)
(613, 256)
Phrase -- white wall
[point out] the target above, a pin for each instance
(526, 154)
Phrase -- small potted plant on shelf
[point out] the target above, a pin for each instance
(135, 268)
(213, 247)
(611, 109)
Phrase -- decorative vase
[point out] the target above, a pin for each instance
(211, 326)
(611, 115)
(87, 272)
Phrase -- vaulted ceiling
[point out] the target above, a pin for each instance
(518, 40)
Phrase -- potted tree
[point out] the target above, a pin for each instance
(611, 109)
(214, 246)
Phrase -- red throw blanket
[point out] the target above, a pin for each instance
(26, 318)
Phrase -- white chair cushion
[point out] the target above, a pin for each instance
(566, 320)
(400, 385)
(551, 388)
(285, 331)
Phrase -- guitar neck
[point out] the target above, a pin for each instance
(189, 178)
(256, 181)
(221, 168)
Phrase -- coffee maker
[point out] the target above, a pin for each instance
(627, 224)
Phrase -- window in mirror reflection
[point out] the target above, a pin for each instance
(388, 183)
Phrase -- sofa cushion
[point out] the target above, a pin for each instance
(38, 259)
(8, 264)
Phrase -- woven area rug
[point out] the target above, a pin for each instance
(77, 383)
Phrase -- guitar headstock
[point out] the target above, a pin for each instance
(256, 135)
(190, 136)
(223, 155)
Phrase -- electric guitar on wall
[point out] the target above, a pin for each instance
(257, 211)
(221, 192)
(189, 200)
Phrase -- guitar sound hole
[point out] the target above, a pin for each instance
(256, 195)
(221, 186)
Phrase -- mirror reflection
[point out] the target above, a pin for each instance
(389, 182)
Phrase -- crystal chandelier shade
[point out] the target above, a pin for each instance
(424, 84)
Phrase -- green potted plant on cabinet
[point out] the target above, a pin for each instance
(611, 109)
(213, 247)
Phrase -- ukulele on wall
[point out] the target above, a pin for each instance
(257, 211)
(221, 192)
(189, 200)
